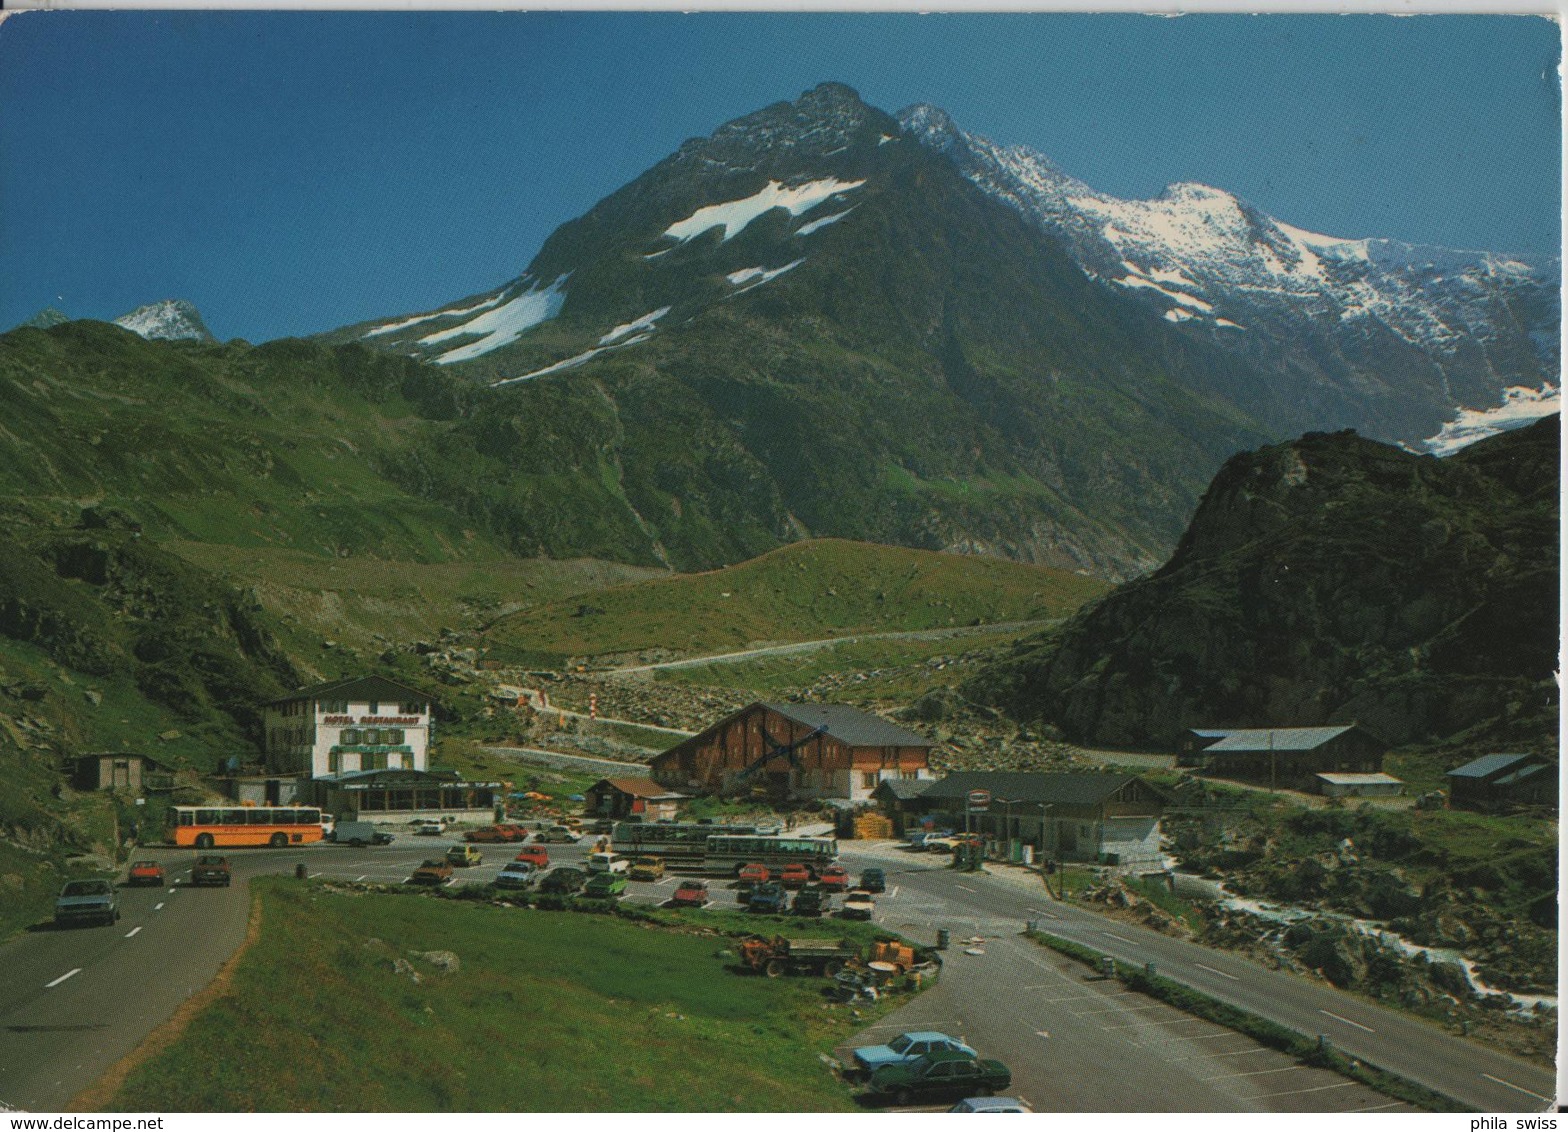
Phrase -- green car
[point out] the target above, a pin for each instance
(603, 885)
(941, 1073)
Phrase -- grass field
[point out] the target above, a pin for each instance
(800, 592)
(549, 1012)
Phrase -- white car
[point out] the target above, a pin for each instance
(516, 874)
(427, 827)
(991, 1104)
(608, 863)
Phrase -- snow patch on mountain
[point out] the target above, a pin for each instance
(646, 322)
(392, 327)
(1520, 407)
(502, 325)
(815, 225)
(172, 320)
(750, 278)
(734, 215)
(572, 362)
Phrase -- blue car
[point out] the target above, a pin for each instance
(906, 1049)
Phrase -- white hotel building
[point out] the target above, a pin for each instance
(345, 726)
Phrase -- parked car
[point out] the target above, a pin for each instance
(212, 869)
(858, 905)
(536, 855)
(563, 881)
(145, 872)
(435, 870)
(834, 878)
(516, 874)
(908, 1046)
(770, 897)
(496, 833)
(604, 885)
(690, 894)
(753, 875)
(873, 880)
(558, 834)
(794, 876)
(944, 1073)
(941, 844)
(608, 863)
(89, 901)
(991, 1104)
(427, 827)
(602, 825)
(813, 900)
(465, 856)
(647, 868)
(360, 833)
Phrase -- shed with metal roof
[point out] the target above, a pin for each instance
(1284, 757)
(1503, 781)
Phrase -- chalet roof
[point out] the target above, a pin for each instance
(645, 788)
(851, 726)
(1488, 765)
(368, 688)
(1078, 789)
(1254, 739)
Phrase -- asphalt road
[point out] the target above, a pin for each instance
(73, 1002)
(979, 904)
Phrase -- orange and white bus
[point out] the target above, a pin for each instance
(204, 827)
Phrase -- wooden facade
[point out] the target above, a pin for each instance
(836, 752)
(639, 798)
(1503, 782)
(1287, 758)
(121, 771)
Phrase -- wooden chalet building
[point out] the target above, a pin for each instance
(1501, 782)
(121, 771)
(1288, 758)
(639, 798)
(795, 751)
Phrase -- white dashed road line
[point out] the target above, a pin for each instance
(62, 978)
(133, 931)
(1521, 1089)
(158, 907)
(1347, 1021)
(1221, 974)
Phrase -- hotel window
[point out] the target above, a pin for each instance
(350, 737)
(868, 779)
(392, 737)
(375, 708)
(410, 709)
(372, 737)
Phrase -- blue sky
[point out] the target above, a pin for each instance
(294, 172)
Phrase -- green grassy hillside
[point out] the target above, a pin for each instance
(804, 591)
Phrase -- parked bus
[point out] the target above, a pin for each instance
(204, 827)
(683, 845)
(727, 855)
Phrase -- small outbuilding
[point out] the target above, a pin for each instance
(639, 798)
(121, 771)
(1286, 758)
(1335, 785)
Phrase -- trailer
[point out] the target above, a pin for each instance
(783, 956)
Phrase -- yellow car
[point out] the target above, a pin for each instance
(647, 868)
(464, 855)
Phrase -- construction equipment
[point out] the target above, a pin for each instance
(781, 956)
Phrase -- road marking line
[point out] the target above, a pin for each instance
(360, 878)
(1318, 1089)
(1155, 1022)
(894, 892)
(1255, 1073)
(1359, 1026)
(1081, 997)
(171, 891)
(133, 931)
(1521, 1088)
(966, 888)
(62, 978)
(1378, 1107)
(1113, 935)
(1221, 974)
(158, 907)
(1119, 1010)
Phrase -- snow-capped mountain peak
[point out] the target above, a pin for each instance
(1415, 333)
(172, 320)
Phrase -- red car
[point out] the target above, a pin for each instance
(145, 872)
(690, 894)
(536, 855)
(794, 876)
(834, 878)
(495, 833)
(754, 874)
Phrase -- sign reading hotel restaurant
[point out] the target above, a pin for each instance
(979, 800)
(371, 720)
